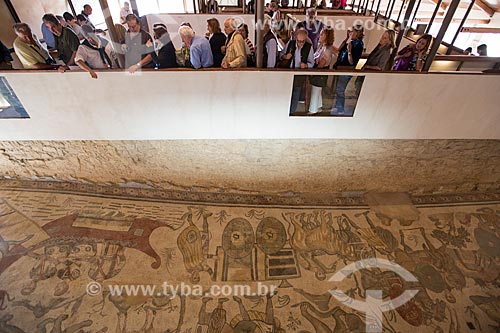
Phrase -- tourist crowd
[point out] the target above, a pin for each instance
(74, 41)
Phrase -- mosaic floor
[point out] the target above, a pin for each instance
(58, 239)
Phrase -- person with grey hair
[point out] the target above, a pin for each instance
(124, 12)
(138, 45)
(200, 52)
(66, 40)
(270, 45)
(301, 56)
(236, 55)
(92, 54)
(313, 26)
(31, 53)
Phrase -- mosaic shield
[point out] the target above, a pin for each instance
(271, 235)
(238, 238)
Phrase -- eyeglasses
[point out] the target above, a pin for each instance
(300, 41)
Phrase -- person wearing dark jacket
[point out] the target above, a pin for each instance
(164, 54)
(5, 58)
(217, 40)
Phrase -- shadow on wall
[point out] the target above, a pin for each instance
(325, 95)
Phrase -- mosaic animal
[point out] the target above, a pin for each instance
(314, 236)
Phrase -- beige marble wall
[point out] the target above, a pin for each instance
(309, 167)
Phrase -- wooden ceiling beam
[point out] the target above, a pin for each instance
(456, 20)
(484, 7)
(481, 30)
(435, 2)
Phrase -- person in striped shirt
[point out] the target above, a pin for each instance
(250, 48)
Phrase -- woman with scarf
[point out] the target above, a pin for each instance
(378, 58)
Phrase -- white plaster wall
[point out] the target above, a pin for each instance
(246, 105)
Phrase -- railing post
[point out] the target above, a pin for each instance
(402, 31)
(392, 8)
(377, 10)
(416, 11)
(12, 11)
(259, 36)
(438, 5)
(452, 8)
(371, 7)
(70, 3)
(400, 10)
(111, 26)
(387, 9)
(450, 48)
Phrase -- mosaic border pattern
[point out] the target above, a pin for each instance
(228, 198)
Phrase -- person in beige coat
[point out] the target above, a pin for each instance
(236, 55)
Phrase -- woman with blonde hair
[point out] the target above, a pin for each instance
(322, 59)
(378, 58)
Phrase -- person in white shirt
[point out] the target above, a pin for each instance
(93, 54)
(124, 12)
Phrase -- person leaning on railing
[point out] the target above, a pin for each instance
(138, 45)
(67, 41)
(31, 53)
(93, 54)
(200, 53)
(412, 57)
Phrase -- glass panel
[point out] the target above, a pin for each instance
(228, 2)
(173, 6)
(149, 7)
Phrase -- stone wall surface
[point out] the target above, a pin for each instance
(265, 166)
